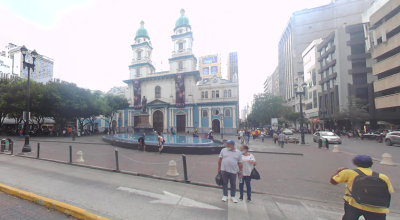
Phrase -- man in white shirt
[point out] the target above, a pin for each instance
(230, 159)
(241, 133)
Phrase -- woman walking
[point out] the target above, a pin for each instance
(249, 161)
(160, 143)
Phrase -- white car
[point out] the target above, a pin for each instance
(287, 131)
(330, 136)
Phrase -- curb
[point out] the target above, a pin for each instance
(50, 203)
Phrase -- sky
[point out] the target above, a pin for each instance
(90, 40)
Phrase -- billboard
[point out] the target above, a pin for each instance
(205, 71)
(214, 69)
(274, 124)
(210, 60)
(137, 98)
(180, 90)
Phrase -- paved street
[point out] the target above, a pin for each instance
(285, 178)
(13, 208)
(119, 196)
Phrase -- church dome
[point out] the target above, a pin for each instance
(182, 21)
(142, 32)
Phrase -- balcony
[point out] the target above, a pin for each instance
(389, 45)
(182, 52)
(387, 64)
(387, 101)
(387, 82)
(389, 25)
(359, 56)
(141, 60)
(360, 70)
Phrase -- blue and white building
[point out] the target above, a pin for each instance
(212, 105)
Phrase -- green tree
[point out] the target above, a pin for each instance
(291, 116)
(266, 106)
(114, 103)
(355, 111)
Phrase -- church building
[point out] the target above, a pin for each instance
(176, 98)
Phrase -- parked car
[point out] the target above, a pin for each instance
(287, 131)
(330, 136)
(392, 138)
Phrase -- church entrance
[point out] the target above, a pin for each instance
(216, 126)
(180, 123)
(135, 121)
(158, 121)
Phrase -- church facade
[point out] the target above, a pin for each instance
(176, 98)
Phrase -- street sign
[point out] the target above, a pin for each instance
(170, 198)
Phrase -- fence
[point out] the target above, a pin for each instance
(118, 160)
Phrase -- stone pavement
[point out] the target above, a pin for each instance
(297, 177)
(14, 208)
(119, 196)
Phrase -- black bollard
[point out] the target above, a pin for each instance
(320, 143)
(38, 150)
(70, 154)
(116, 161)
(326, 143)
(184, 167)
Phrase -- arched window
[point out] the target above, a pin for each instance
(217, 94)
(225, 93)
(138, 72)
(158, 92)
(180, 65)
(205, 113)
(229, 93)
(206, 94)
(202, 95)
(227, 113)
(213, 94)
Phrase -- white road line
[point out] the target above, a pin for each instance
(170, 198)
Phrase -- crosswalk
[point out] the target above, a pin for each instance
(278, 208)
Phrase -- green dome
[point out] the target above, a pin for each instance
(142, 32)
(182, 21)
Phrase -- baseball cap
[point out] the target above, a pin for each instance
(363, 160)
(230, 142)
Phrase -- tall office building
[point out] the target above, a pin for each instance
(383, 41)
(233, 71)
(307, 25)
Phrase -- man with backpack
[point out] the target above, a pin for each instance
(367, 193)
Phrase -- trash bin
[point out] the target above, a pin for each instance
(3, 145)
(320, 143)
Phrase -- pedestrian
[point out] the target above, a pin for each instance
(281, 138)
(142, 143)
(230, 159)
(248, 164)
(73, 133)
(367, 192)
(160, 143)
(69, 131)
(241, 132)
(275, 137)
(247, 134)
(195, 130)
(262, 136)
(21, 133)
(172, 129)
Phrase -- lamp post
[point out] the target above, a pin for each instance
(27, 148)
(300, 92)
(323, 111)
(222, 126)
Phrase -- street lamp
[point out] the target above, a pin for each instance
(301, 92)
(222, 125)
(34, 54)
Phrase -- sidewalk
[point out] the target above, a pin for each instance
(14, 208)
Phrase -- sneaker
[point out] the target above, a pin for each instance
(241, 198)
(224, 198)
(248, 199)
(234, 200)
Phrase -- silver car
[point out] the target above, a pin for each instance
(287, 131)
(330, 136)
(392, 138)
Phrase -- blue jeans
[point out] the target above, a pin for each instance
(246, 179)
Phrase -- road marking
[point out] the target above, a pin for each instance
(170, 198)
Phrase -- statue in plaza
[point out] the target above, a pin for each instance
(144, 104)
